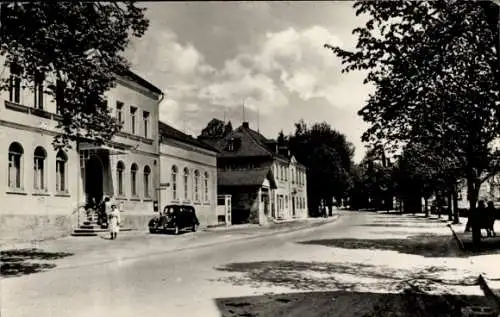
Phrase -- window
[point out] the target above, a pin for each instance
(120, 167)
(147, 172)
(206, 186)
(119, 111)
(15, 84)
(38, 91)
(286, 202)
(15, 164)
(145, 118)
(60, 87)
(133, 179)
(196, 185)
(230, 145)
(133, 110)
(61, 160)
(174, 182)
(186, 187)
(39, 168)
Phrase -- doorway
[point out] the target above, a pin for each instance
(94, 176)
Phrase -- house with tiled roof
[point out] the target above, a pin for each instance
(188, 173)
(264, 181)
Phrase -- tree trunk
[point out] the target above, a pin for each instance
(473, 193)
(426, 208)
(456, 214)
(450, 212)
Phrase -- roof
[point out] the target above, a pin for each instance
(172, 133)
(252, 144)
(141, 81)
(250, 177)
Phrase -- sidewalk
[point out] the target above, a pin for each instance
(70, 251)
(487, 260)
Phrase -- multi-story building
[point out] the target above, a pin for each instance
(188, 173)
(41, 189)
(264, 182)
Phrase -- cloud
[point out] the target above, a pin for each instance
(283, 71)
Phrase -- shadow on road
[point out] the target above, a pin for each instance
(346, 304)
(27, 261)
(347, 276)
(397, 224)
(427, 245)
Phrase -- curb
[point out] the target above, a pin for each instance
(203, 245)
(488, 292)
(457, 239)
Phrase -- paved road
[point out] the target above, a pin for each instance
(205, 281)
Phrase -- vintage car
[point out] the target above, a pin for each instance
(174, 218)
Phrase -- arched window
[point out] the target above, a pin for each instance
(147, 173)
(186, 186)
(120, 167)
(133, 179)
(197, 185)
(39, 168)
(174, 182)
(15, 164)
(61, 160)
(205, 180)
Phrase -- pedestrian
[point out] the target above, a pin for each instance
(114, 221)
(490, 215)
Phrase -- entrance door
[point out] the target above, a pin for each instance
(94, 175)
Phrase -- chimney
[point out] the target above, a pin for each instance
(245, 125)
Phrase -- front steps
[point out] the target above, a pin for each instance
(90, 228)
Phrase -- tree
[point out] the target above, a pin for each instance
(216, 129)
(76, 48)
(328, 157)
(434, 67)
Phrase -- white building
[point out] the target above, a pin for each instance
(188, 173)
(41, 188)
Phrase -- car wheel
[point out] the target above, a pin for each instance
(176, 230)
(151, 230)
(194, 228)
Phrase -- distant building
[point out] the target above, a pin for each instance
(188, 173)
(41, 188)
(264, 182)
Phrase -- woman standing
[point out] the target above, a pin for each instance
(114, 221)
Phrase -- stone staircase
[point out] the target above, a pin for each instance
(88, 228)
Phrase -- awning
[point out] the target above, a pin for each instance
(85, 146)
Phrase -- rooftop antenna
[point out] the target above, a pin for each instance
(244, 110)
(224, 115)
(258, 120)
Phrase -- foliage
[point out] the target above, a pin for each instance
(433, 65)
(79, 45)
(328, 157)
(216, 129)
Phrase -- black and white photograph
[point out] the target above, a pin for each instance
(250, 158)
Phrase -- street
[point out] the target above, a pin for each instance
(338, 269)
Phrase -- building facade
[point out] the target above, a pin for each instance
(265, 183)
(41, 189)
(188, 173)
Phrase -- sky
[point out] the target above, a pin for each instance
(211, 58)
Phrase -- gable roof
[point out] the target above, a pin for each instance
(249, 177)
(172, 133)
(252, 144)
(141, 81)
